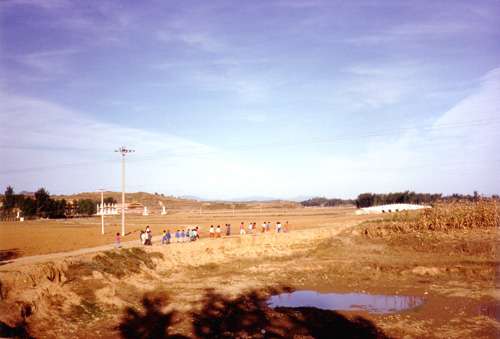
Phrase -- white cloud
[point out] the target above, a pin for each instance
(470, 129)
(458, 154)
(483, 104)
(45, 145)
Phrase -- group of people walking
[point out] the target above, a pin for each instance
(189, 235)
(252, 227)
(182, 236)
(146, 237)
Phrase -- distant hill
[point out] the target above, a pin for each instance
(26, 193)
(301, 198)
(192, 197)
(247, 199)
(154, 202)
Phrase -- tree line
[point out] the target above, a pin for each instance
(326, 202)
(377, 199)
(410, 197)
(41, 205)
(406, 197)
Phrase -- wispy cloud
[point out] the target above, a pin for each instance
(462, 143)
(52, 62)
(45, 4)
(375, 86)
(243, 73)
(411, 33)
(51, 125)
(202, 41)
(50, 139)
(433, 24)
(475, 121)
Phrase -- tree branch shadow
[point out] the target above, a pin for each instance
(247, 316)
(153, 322)
(20, 330)
(6, 255)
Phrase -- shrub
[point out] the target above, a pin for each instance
(116, 263)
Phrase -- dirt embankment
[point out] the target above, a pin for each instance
(31, 285)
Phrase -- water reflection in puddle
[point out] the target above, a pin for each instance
(346, 302)
(491, 310)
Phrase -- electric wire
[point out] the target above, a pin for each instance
(237, 148)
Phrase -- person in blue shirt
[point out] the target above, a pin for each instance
(168, 237)
(177, 236)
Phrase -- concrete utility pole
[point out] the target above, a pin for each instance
(102, 208)
(123, 151)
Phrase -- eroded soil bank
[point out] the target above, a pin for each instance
(218, 288)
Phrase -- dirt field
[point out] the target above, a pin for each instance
(218, 288)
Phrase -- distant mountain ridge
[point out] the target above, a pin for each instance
(247, 199)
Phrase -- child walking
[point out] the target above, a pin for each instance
(117, 241)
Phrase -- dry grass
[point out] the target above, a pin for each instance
(118, 264)
(459, 228)
(445, 217)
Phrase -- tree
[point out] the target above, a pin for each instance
(109, 200)
(28, 208)
(86, 207)
(8, 202)
(365, 200)
(44, 204)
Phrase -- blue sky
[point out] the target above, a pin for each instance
(227, 99)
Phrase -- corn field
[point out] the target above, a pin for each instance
(448, 216)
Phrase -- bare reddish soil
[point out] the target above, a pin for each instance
(218, 288)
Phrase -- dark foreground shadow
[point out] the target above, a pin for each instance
(20, 330)
(153, 322)
(6, 255)
(245, 317)
(14, 332)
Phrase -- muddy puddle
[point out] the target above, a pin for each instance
(379, 304)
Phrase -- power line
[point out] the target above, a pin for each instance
(45, 168)
(245, 148)
(51, 148)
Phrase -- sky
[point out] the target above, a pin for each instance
(229, 99)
